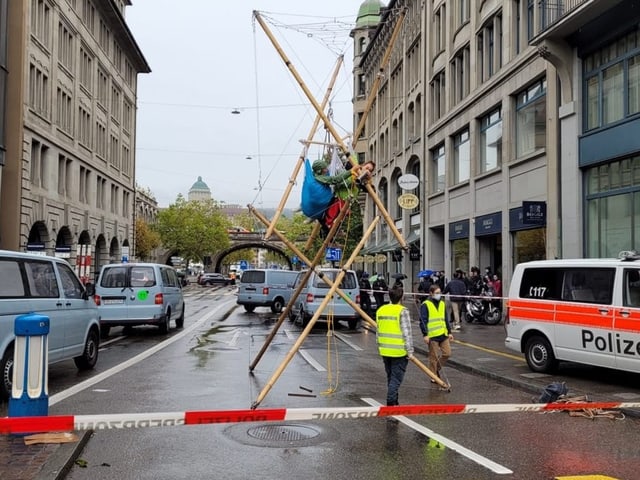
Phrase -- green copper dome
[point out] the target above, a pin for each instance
(200, 185)
(369, 14)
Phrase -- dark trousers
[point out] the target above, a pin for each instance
(395, 368)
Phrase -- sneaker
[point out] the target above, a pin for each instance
(456, 328)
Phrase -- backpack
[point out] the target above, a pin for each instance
(316, 196)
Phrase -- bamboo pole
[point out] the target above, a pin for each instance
(298, 166)
(312, 237)
(426, 370)
(296, 346)
(329, 126)
(312, 264)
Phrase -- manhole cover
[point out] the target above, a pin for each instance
(283, 433)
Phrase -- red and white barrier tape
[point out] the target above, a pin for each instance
(60, 423)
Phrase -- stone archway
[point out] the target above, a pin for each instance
(217, 260)
(64, 245)
(114, 251)
(100, 255)
(38, 239)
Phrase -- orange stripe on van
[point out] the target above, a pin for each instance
(531, 310)
(567, 313)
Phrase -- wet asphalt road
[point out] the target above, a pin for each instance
(207, 369)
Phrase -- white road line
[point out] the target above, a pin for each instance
(311, 361)
(344, 338)
(58, 397)
(471, 455)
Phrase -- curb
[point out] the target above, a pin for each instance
(61, 462)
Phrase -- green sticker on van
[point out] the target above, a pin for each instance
(143, 294)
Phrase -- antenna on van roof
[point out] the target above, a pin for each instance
(628, 255)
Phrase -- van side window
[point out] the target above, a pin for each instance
(589, 285)
(631, 291)
(173, 277)
(41, 278)
(541, 283)
(70, 284)
(10, 279)
(143, 277)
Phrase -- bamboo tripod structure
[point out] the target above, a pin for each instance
(333, 286)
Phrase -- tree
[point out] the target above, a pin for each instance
(194, 228)
(147, 239)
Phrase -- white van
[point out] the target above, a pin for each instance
(265, 288)
(584, 310)
(131, 294)
(315, 291)
(48, 286)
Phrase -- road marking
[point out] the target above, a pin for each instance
(471, 455)
(311, 361)
(58, 397)
(488, 350)
(344, 338)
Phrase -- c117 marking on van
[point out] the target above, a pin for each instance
(606, 343)
(537, 292)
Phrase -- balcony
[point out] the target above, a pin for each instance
(560, 18)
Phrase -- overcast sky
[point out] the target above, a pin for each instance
(210, 57)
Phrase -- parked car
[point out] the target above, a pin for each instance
(214, 279)
(131, 294)
(266, 288)
(315, 291)
(47, 286)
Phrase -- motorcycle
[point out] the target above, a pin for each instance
(483, 308)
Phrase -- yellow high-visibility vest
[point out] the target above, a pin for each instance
(436, 325)
(389, 334)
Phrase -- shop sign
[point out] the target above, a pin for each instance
(408, 181)
(408, 201)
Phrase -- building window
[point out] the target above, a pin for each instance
(531, 113)
(460, 74)
(397, 193)
(84, 127)
(438, 96)
(86, 70)
(490, 48)
(126, 200)
(129, 74)
(39, 164)
(438, 168)
(126, 161)
(89, 15)
(530, 21)
(114, 152)
(518, 27)
(83, 194)
(461, 12)
(362, 86)
(101, 188)
(461, 157)
(612, 82)
(104, 37)
(115, 103)
(65, 46)
(64, 111)
(127, 115)
(114, 199)
(41, 21)
(415, 170)
(613, 207)
(39, 91)
(103, 85)
(116, 57)
(64, 176)
(491, 141)
(439, 30)
(101, 140)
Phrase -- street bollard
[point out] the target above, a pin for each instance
(29, 392)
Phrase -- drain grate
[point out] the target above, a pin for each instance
(282, 433)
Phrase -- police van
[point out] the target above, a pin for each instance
(582, 310)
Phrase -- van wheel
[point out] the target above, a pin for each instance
(180, 319)
(539, 355)
(249, 308)
(292, 314)
(104, 331)
(89, 356)
(277, 305)
(6, 367)
(166, 322)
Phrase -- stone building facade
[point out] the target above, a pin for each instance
(69, 174)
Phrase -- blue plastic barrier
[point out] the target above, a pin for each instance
(30, 391)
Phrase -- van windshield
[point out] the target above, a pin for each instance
(252, 276)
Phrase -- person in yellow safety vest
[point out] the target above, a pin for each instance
(436, 329)
(395, 341)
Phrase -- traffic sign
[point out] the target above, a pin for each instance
(333, 254)
(243, 265)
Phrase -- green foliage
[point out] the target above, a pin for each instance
(193, 228)
(147, 239)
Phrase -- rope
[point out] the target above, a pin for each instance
(332, 386)
(590, 413)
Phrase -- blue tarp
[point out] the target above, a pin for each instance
(316, 196)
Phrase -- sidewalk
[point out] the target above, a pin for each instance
(477, 349)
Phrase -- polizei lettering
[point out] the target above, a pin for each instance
(611, 342)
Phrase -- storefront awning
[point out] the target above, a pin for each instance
(414, 237)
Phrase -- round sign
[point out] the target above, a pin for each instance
(408, 181)
(408, 201)
(381, 258)
(142, 294)
(369, 259)
(358, 259)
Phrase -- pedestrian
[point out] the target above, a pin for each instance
(456, 289)
(497, 286)
(379, 287)
(365, 290)
(435, 328)
(395, 341)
